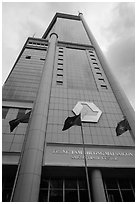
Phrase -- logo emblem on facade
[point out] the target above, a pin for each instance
(89, 111)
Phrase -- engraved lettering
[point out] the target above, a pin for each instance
(78, 154)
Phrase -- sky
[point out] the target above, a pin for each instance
(112, 24)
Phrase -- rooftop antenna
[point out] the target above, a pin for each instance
(34, 35)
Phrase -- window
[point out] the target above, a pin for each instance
(92, 55)
(90, 51)
(4, 112)
(100, 79)
(99, 73)
(59, 82)
(60, 75)
(60, 55)
(60, 68)
(60, 63)
(95, 63)
(63, 190)
(119, 190)
(8, 177)
(7, 190)
(28, 57)
(97, 68)
(104, 86)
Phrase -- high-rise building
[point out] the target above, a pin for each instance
(63, 74)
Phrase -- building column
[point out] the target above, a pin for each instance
(98, 192)
(118, 91)
(28, 181)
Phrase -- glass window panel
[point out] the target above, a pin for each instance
(56, 184)
(128, 196)
(56, 196)
(70, 184)
(6, 195)
(60, 51)
(114, 196)
(82, 184)
(83, 196)
(43, 196)
(44, 183)
(59, 82)
(133, 183)
(7, 182)
(111, 184)
(71, 196)
(28, 57)
(124, 184)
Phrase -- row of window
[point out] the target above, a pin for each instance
(97, 69)
(72, 189)
(68, 190)
(119, 190)
(37, 44)
(75, 190)
(59, 77)
(29, 57)
(63, 190)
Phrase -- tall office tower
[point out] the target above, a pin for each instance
(61, 75)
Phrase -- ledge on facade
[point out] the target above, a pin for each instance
(75, 45)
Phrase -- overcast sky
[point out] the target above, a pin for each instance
(112, 24)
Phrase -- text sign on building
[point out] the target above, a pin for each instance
(96, 157)
(89, 111)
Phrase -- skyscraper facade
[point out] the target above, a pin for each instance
(63, 74)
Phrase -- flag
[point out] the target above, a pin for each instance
(70, 121)
(122, 127)
(14, 123)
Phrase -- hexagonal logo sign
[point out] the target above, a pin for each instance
(89, 111)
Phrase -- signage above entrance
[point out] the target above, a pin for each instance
(95, 156)
(89, 111)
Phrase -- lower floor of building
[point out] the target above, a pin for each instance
(70, 184)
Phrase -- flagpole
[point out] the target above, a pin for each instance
(86, 169)
(19, 162)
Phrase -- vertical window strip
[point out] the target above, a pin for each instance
(59, 80)
(97, 68)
